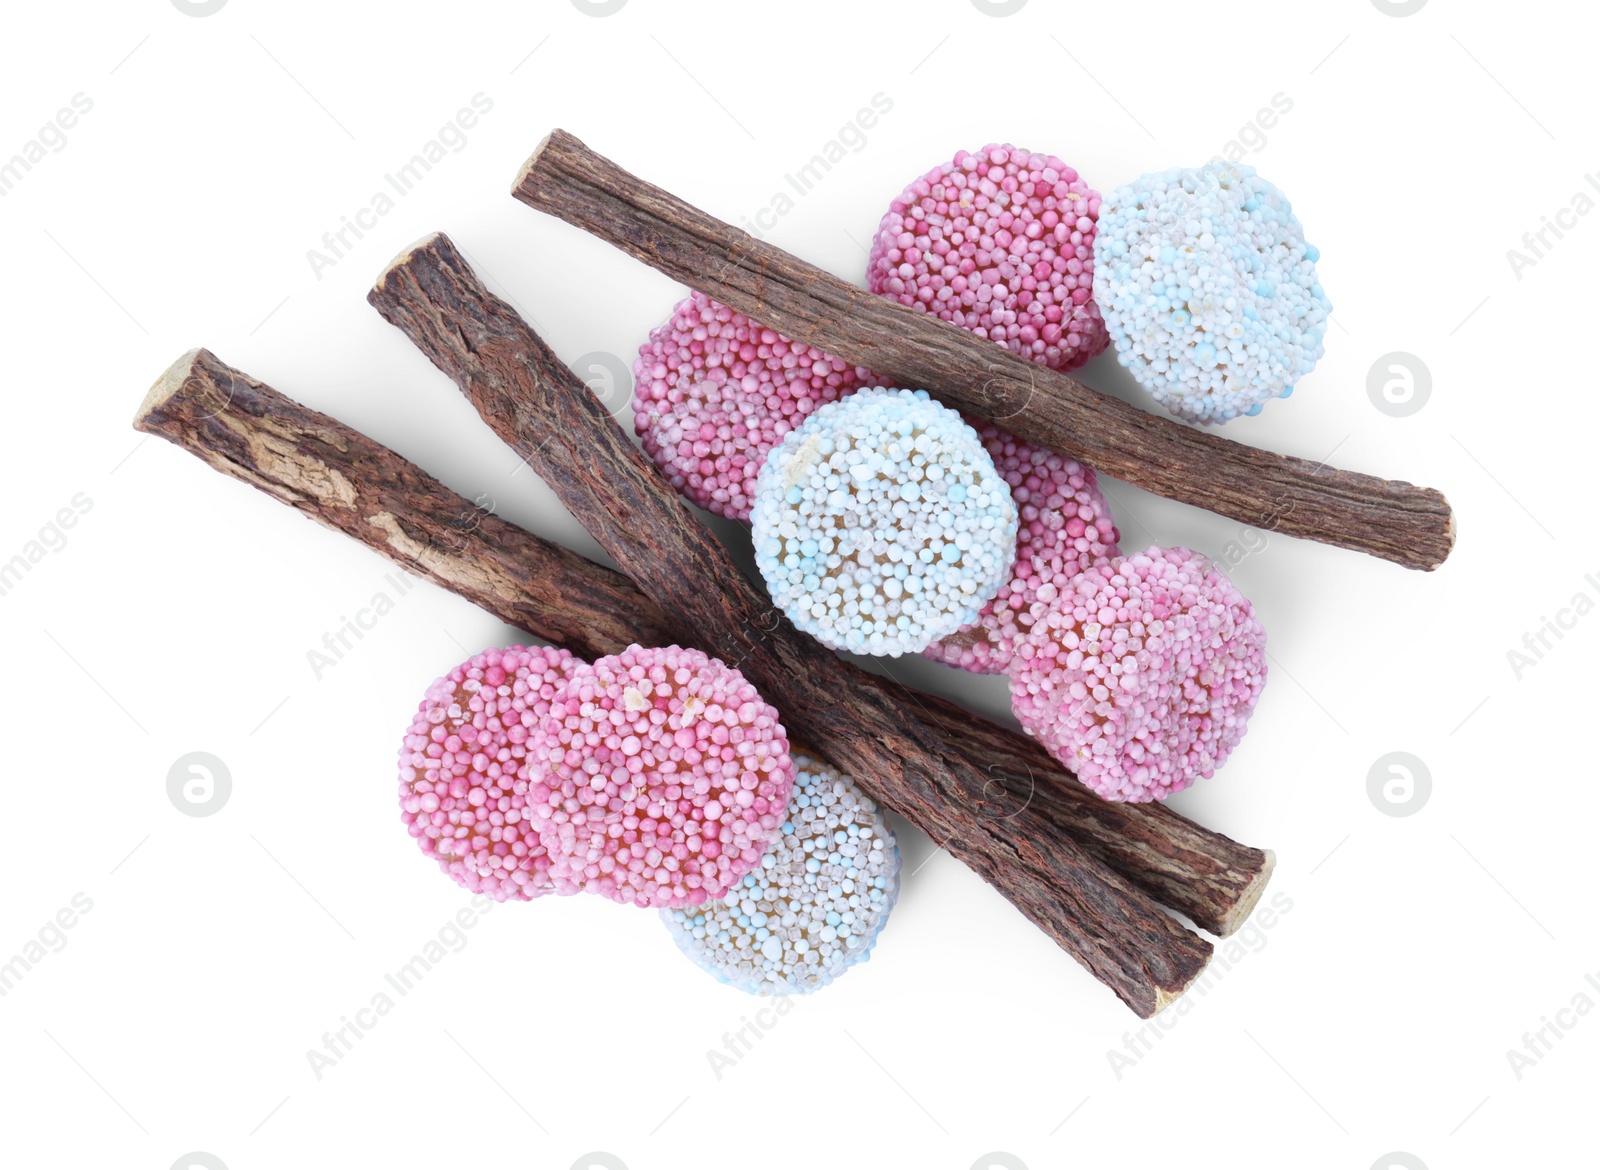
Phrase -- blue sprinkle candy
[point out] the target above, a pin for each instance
(1215, 247)
(918, 527)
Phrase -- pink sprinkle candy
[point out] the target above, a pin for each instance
(1142, 677)
(1064, 526)
(464, 770)
(686, 815)
(715, 392)
(1001, 243)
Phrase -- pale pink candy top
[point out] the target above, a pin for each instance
(661, 777)
(1064, 526)
(1142, 677)
(999, 242)
(463, 770)
(714, 392)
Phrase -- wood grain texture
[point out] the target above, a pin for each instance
(352, 484)
(1408, 525)
(544, 412)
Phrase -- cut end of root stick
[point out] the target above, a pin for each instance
(533, 160)
(169, 384)
(1165, 999)
(404, 257)
(1246, 905)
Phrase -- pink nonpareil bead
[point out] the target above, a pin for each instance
(1064, 526)
(611, 819)
(1000, 242)
(467, 809)
(1142, 676)
(714, 392)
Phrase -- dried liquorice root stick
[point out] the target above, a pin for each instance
(1213, 879)
(347, 481)
(1409, 525)
(351, 483)
(548, 416)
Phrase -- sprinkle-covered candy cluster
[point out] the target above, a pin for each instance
(660, 777)
(464, 770)
(880, 524)
(1209, 289)
(715, 392)
(1000, 242)
(1142, 677)
(1065, 526)
(815, 904)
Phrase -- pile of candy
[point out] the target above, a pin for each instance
(656, 777)
(874, 524)
(886, 524)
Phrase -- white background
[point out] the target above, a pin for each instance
(1373, 1016)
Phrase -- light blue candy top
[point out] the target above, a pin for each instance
(1209, 289)
(814, 906)
(880, 523)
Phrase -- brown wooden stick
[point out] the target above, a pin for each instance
(1391, 519)
(346, 481)
(524, 392)
(1213, 879)
(350, 483)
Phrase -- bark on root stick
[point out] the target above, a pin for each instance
(1391, 519)
(354, 485)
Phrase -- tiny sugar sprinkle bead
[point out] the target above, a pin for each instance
(1000, 242)
(1141, 678)
(714, 393)
(464, 770)
(881, 524)
(660, 777)
(1209, 289)
(1064, 527)
(815, 905)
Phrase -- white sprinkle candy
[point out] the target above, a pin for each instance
(880, 523)
(815, 904)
